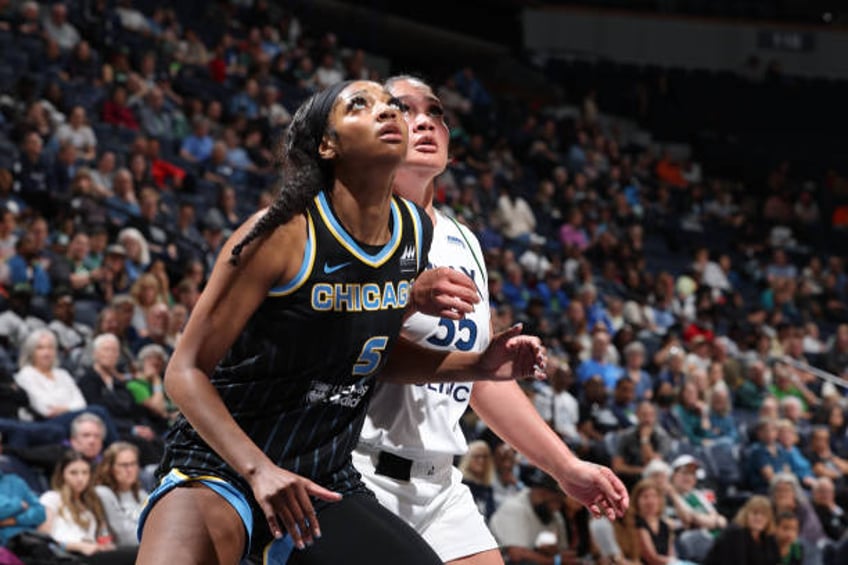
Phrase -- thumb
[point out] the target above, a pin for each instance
(511, 332)
(320, 492)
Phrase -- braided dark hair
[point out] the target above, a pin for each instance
(304, 173)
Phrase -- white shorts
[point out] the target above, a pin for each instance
(435, 503)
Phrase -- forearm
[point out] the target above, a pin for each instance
(200, 403)
(505, 408)
(413, 364)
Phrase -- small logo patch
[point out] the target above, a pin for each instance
(329, 270)
(456, 241)
(408, 261)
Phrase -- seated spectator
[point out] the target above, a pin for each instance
(749, 540)
(667, 410)
(246, 101)
(786, 535)
(75, 517)
(103, 384)
(634, 361)
(26, 267)
(59, 29)
(116, 111)
(505, 482)
(786, 384)
(114, 279)
(120, 492)
(622, 404)
(698, 515)
(723, 425)
(78, 133)
(598, 364)
(163, 173)
(197, 147)
(639, 445)
(71, 336)
(478, 472)
(155, 118)
(20, 509)
(825, 463)
(832, 516)
(522, 518)
(156, 329)
(138, 252)
(766, 458)
(557, 406)
(596, 419)
(787, 436)
(645, 522)
(787, 496)
(51, 390)
(750, 394)
(146, 384)
(123, 205)
(693, 413)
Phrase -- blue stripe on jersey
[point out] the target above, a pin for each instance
(416, 224)
(350, 244)
(305, 266)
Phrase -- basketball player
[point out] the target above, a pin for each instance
(276, 366)
(412, 434)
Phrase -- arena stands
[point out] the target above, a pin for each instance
(663, 219)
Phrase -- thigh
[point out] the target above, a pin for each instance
(358, 530)
(192, 524)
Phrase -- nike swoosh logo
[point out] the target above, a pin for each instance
(328, 270)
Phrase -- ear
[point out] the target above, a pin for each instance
(327, 150)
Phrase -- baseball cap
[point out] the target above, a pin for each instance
(684, 460)
(116, 249)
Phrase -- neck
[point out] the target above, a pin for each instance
(417, 186)
(361, 201)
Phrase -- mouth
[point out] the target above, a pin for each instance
(426, 144)
(390, 133)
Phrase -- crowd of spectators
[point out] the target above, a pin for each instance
(680, 310)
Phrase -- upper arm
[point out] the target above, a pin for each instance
(235, 292)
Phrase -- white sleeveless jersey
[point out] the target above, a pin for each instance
(415, 421)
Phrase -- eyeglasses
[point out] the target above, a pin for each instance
(127, 465)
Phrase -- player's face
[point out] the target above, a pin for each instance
(366, 125)
(428, 133)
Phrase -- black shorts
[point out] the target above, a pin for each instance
(357, 529)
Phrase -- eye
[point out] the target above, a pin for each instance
(436, 111)
(398, 103)
(357, 103)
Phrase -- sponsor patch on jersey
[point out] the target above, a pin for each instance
(456, 241)
(348, 396)
(408, 261)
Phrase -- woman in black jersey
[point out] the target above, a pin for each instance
(276, 366)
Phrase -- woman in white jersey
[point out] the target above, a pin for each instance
(412, 432)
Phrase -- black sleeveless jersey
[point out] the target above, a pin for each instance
(299, 377)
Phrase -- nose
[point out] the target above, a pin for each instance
(387, 112)
(423, 122)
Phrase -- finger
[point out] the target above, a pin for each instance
(510, 333)
(613, 491)
(451, 314)
(318, 491)
(310, 525)
(271, 518)
(291, 527)
(595, 510)
(461, 279)
(298, 512)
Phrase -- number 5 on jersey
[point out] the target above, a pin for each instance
(369, 358)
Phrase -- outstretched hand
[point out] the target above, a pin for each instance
(284, 498)
(597, 488)
(511, 355)
(445, 293)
